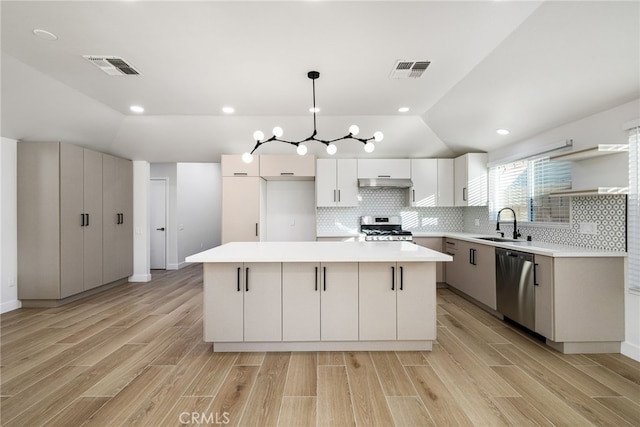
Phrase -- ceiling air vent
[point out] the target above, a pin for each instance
(409, 69)
(113, 65)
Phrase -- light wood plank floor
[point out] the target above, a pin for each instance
(134, 355)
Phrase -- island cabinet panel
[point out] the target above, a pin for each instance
(397, 301)
(262, 301)
(242, 302)
(339, 301)
(301, 301)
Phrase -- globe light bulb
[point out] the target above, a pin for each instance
(369, 147)
(247, 157)
(301, 149)
(331, 149)
(258, 135)
(378, 136)
(354, 130)
(278, 131)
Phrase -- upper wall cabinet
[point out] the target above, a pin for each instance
(336, 183)
(384, 168)
(294, 166)
(471, 180)
(232, 165)
(432, 182)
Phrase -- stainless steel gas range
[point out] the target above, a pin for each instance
(384, 228)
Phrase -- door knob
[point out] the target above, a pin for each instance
(160, 229)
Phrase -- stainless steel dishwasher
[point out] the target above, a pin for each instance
(515, 284)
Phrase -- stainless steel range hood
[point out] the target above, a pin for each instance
(385, 183)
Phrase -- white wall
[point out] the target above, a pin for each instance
(602, 128)
(194, 216)
(291, 211)
(8, 226)
(198, 208)
(141, 237)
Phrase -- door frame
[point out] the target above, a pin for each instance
(165, 180)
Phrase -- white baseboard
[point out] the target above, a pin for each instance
(10, 306)
(177, 266)
(140, 278)
(630, 350)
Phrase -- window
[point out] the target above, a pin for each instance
(525, 185)
(633, 206)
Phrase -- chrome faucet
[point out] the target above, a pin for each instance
(516, 232)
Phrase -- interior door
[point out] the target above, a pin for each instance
(158, 222)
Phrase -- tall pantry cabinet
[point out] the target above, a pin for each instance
(65, 196)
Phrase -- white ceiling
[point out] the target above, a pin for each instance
(525, 66)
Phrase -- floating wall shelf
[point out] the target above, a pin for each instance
(599, 191)
(588, 153)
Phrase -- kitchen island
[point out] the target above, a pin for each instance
(319, 296)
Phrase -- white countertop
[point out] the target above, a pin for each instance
(319, 252)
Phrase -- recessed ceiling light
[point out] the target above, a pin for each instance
(314, 110)
(403, 109)
(228, 110)
(503, 131)
(44, 34)
(136, 109)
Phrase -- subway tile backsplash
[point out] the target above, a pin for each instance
(607, 212)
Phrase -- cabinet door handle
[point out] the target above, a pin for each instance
(239, 269)
(118, 219)
(334, 196)
(339, 196)
(256, 229)
(401, 278)
(121, 218)
(87, 224)
(246, 280)
(82, 220)
(413, 192)
(535, 275)
(393, 278)
(316, 282)
(287, 173)
(464, 194)
(324, 279)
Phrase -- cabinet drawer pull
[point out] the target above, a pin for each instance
(239, 174)
(324, 279)
(287, 173)
(401, 278)
(393, 278)
(246, 280)
(384, 176)
(239, 269)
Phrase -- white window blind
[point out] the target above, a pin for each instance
(633, 210)
(524, 186)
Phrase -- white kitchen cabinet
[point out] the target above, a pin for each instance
(339, 301)
(294, 166)
(384, 168)
(471, 180)
(446, 179)
(242, 302)
(394, 301)
(232, 165)
(424, 175)
(336, 182)
(243, 208)
(301, 301)
(473, 270)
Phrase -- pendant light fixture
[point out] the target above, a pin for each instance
(301, 147)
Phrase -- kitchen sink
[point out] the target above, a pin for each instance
(496, 239)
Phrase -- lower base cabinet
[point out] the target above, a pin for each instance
(243, 302)
(473, 270)
(396, 303)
